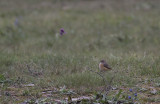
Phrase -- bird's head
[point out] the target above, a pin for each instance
(102, 61)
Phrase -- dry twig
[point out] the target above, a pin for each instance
(107, 85)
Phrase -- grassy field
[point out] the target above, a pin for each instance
(125, 33)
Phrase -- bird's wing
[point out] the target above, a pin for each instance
(107, 66)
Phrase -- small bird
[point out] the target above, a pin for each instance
(103, 66)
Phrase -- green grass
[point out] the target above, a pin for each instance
(126, 37)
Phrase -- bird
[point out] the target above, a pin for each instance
(103, 66)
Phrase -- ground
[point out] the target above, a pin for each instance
(39, 64)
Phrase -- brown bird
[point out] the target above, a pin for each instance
(103, 66)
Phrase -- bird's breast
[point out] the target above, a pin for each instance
(100, 66)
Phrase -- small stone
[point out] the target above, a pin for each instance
(154, 91)
(29, 85)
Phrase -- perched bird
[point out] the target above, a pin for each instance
(103, 66)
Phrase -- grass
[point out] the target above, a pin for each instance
(126, 37)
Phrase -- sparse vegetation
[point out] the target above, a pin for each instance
(33, 51)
